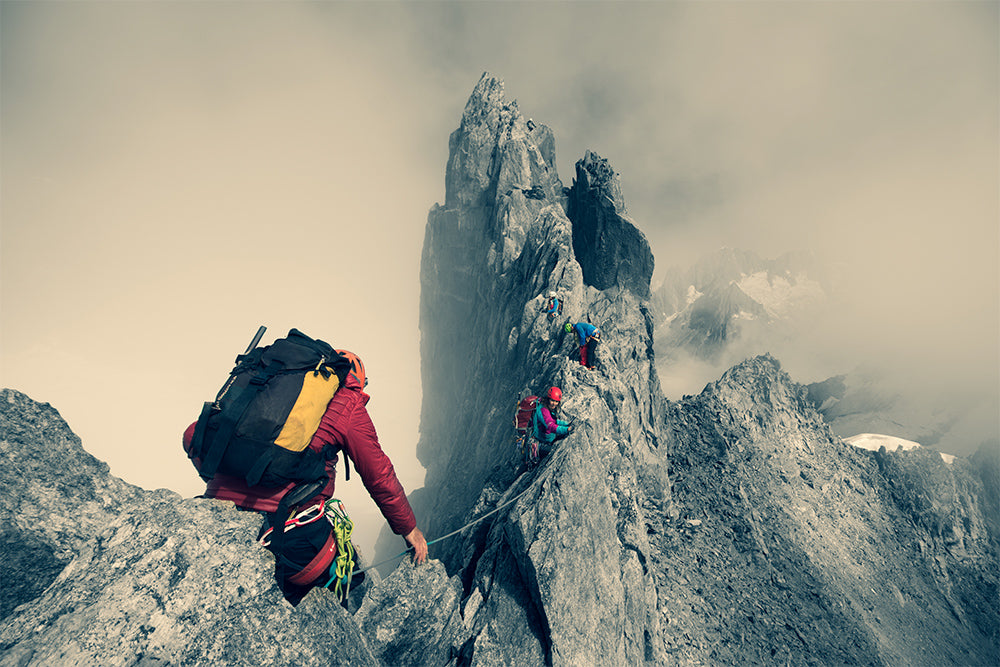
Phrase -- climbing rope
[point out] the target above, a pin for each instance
(452, 533)
(342, 568)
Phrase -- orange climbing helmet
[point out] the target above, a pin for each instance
(357, 367)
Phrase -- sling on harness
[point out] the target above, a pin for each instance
(342, 569)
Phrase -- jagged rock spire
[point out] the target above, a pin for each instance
(494, 152)
(500, 242)
(611, 250)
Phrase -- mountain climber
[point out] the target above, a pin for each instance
(554, 305)
(534, 192)
(589, 336)
(345, 425)
(547, 428)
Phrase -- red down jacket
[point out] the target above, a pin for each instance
(346, 424)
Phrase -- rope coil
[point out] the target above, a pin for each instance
(342, 568)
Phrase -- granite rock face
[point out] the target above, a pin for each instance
(788, 545)
(728, 527)
(491, 255)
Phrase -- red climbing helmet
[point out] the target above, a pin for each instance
(555, 394)
(357, 368)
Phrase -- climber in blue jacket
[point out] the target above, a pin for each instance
(589, 336)
(554, 306)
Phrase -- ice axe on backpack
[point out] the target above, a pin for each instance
(232, 378)
(256, 339)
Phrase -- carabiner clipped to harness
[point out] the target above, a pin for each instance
(302, 517)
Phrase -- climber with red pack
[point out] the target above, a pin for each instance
(589, 336)
(293, 485)
(547, 428)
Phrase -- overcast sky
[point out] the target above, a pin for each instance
(176, 173)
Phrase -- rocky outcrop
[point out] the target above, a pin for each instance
(789, 545)
(414, 617)
(115, 575)
(611, 251)
(47, 474)
(491, 254)
(730, 527)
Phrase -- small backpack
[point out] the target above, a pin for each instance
(527, 448)
(262, 420)
(525, 411)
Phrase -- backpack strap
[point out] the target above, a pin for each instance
(231, 416)
(198, 438)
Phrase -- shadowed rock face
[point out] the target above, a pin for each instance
(611, 251)
(500, 243)
(730, 527)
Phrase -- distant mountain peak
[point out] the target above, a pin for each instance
(742, 300)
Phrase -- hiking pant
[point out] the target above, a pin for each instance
(588, 353)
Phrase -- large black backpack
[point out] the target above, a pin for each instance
(259, 428)
(262, 420)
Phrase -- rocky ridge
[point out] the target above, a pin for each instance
(727, 527)
(606, 504)
(828, 554)
(123, 576)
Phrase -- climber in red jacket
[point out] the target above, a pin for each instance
(345, 425)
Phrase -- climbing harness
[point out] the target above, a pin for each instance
(527, 448)
(341, 567)
(530, 450)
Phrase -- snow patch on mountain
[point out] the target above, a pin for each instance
(875, 441)
(734, 301)
(781, 295)
(692, 295)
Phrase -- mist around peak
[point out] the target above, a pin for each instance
(920, 383)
